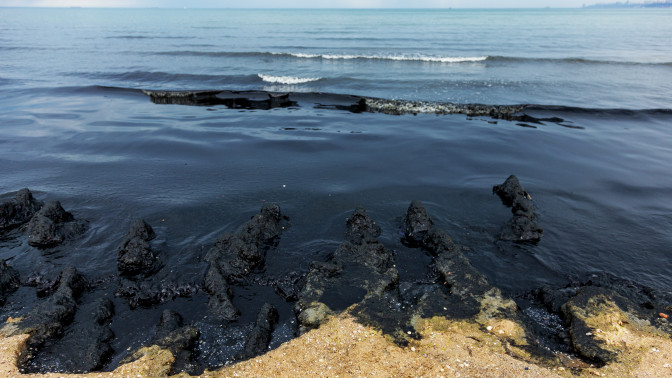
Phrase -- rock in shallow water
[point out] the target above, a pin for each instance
(142, 280)
(19, 210)
(181, 340)
(416, 225)
(9, 281)
(173, 335)
(48, 319)
(236, 256)
(51, 225)
(86, 345)
(360, 228)
(135, 254)
(509, 190)
(597, 312)
(522, 226)
(361, 268)
(260, 337)
(461, 292)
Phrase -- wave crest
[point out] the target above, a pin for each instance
(287, 79)
(410, 58)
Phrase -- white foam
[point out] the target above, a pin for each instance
(425, 107)
(287, 79)
(416, 58)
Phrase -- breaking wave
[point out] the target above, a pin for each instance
(287, 79)
(410, 57)
(413, 58)
(325, 56)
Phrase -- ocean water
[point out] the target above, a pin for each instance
(587, 58)
(76, 126)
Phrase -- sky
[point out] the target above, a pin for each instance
(302, 3)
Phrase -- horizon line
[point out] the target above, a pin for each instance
(287, 8)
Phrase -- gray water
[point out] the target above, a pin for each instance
(572, 57)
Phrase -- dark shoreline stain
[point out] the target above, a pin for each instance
(263, 100)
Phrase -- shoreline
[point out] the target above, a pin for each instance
(344, 347)
(353, 315)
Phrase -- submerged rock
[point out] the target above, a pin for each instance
(48, 319)
(522, 226)
(181, 340)
(416, 225)
(9, 281)
(235, 256)
(419, 228)
(19, 210)
(86, 346)
(418, 231)
(135, 254)
(464, 284)
(361, 269)
(142, 280)
(173, 335)
(260, 337)
(288, 286)
(598, 311)
(230, 99)
(360, 228)
(464, 293)
(161, 288)
(399, 107)
(51, 225)
(510, 190)
(221, 295)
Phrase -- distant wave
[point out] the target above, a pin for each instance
(404, 57)
(571, 60)
(147, 37)
(412, 58)
(389, 57)
(287, 79)
(168, 78)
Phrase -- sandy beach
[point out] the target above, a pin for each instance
(341, 347)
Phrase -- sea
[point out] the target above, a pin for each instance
(590, 140)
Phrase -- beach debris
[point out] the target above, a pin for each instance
(662, 315)
(522, 226)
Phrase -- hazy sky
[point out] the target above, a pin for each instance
(302, 3)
